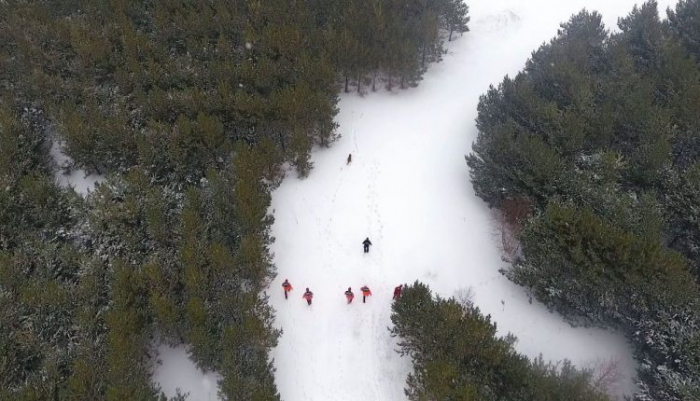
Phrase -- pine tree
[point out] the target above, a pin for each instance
(456, 17)
(459, 356)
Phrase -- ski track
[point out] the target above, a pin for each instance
(408, 189)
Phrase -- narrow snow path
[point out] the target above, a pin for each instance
(408, 190)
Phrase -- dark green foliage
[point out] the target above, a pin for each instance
(642, 36)
(594, 269)
(390, 41)
(458, 356)
(682, 189)
(190, 110)
(599, 132)
(684, 22)
(53, 296)
(456, 19)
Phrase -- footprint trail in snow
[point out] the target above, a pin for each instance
(408, 189)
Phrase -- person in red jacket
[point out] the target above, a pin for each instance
(365, 293)
(349, 295)
(308, 296)
(287, 287)
(397, 291)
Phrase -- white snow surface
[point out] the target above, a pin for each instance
(77, 179)
(408, 189)
(175, 370)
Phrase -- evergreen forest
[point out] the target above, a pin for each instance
(457, 355)
(592, 154)
(193, 111)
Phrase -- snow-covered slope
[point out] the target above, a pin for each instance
(408, 190)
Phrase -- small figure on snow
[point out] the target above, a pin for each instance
(397, 291)
(366, 243)
(308, 296)
(365, 293)
(349, 295)
(287, 287)
(349, 159)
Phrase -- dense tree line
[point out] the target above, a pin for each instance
(458, 356)
(600, 135)
(190, 109)
(390, 41)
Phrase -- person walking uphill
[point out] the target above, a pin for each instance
(349, 295)
(308, 296)
(287, 287)
(365, 293)
(397, 291)
(366, 243)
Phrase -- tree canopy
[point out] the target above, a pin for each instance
(458, 356)
(190, 110)
(599, 134)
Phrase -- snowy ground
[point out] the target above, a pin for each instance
(408, 190)
(77, 179)
(175, 370)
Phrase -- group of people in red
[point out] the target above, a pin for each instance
(366, 292)
(349, 295)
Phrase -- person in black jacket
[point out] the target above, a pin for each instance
(366, 243)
